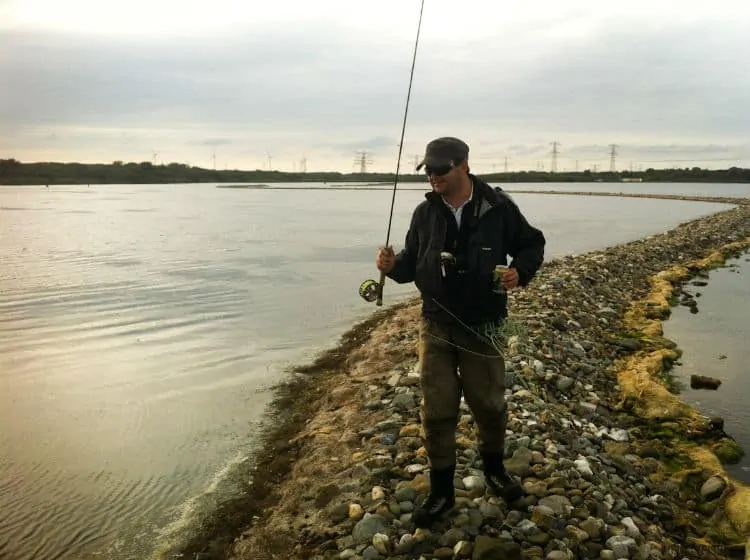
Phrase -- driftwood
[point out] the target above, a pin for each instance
(702, 382)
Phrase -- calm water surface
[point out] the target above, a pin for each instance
(734, 190)
(715, 343)
(142, 326)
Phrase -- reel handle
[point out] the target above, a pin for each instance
(379, 301)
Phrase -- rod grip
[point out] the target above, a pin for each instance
(379, 301)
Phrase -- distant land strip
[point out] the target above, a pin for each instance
(14, 172)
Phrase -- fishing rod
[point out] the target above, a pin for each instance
(370, 290)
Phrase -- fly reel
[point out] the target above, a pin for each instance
(369, 290)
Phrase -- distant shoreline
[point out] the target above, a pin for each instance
(14, 172)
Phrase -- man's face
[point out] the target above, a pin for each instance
(445, 180)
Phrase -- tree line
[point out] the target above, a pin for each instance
(14, 172)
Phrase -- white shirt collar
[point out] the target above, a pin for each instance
(457, 212)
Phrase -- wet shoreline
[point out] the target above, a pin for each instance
(714, 349)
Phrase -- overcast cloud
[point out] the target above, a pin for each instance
(666, 83)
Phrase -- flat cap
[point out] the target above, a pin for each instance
(443, 151)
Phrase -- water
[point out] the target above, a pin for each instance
(733, 190)
(714, 343)
(142, 326)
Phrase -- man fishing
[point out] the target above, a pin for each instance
(457, 237)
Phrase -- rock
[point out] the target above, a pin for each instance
(404, 402)
(489, 511)
(415, 468)
(338, 513)
(583, 466)
(388, 439)
(703, 382)
(631, 530)
(452, 537)
(632, 344)
(347, 553)
(378, 493)
(560, 505)
(592, 527)
(381, 543)
(474, 483)
(443, 552)
(543, 516)
(410, 430)
(463, 549)
(520, 463)
(618, 434)
(488, 548)
(370, 553)
(538, 488)
(576, 535)
(564, 384)
(368, 527)
(621, 545)
(712, 488)
(388, 425)
(405, 493)
(405, 544)
(356, 512)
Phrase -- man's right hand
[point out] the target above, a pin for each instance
(385, 259)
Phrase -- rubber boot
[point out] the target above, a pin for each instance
(498, 480)
(440, 500)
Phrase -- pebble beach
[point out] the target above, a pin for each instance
(614, 465)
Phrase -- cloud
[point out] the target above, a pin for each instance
(657, 89)
(374, 143)
(216, 142)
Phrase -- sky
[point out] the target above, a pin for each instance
(251, 84)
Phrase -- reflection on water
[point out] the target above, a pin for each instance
(715, 343)
(141, 326)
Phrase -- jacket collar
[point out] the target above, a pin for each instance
(484, 197)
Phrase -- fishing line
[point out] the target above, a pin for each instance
(369, 289)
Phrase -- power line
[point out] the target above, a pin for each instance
(363, 161)
(555, 152)
(612, 156)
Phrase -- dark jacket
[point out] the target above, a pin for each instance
(492, 227)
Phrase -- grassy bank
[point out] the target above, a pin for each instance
(587, 412)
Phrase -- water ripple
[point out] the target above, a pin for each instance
(63, 502)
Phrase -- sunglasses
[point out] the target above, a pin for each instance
(439, 170)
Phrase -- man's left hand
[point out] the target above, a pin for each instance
(510, 278)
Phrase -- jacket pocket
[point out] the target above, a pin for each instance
(482, 261)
